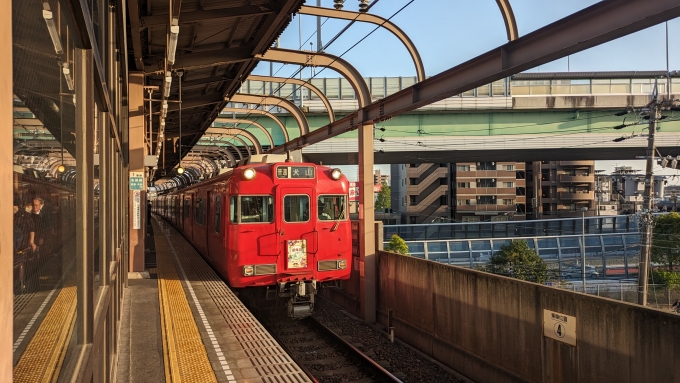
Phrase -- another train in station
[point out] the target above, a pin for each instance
(275, 231)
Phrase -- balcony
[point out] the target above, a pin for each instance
(576, 163)
(580, 179)
(577, 196)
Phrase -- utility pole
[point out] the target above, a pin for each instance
(646, 215)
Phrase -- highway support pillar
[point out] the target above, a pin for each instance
(367, 253)
(136, 153)
(6, 189)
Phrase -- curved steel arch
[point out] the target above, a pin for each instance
(244, 121)
(278, 101)
(509, 18)
(324, 99)
(261, 112)
(240, 155)
(336, 63)
(373, 19)
(235, 133)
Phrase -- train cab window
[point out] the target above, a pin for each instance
(256, 209)
(232, 209)
(296, 208)
(218, 213)
(331, 207)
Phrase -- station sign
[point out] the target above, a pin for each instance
(137, 181)
(560, 327)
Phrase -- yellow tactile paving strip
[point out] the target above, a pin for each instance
(184, 354)
(42, 359)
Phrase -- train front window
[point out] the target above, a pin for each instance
(256, 209)
(296, 208)
(331, 207)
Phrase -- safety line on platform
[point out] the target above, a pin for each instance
(42, 359)
(216, 346)
(187, 359)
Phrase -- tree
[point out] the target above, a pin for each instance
(384, 198)
(666, 240)
(397, 245)
(518, 260)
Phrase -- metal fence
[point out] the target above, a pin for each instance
(658, 296)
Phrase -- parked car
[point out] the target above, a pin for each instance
(577, 272)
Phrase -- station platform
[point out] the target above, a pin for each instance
(182, 323)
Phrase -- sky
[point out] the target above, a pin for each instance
(450, 32)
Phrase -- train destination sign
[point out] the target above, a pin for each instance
(559, 326)
(295, 172)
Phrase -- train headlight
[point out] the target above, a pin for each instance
(61, 168)
(249, 173)
(342, 264)
(180, 170)
(336, 174)
(248, 270)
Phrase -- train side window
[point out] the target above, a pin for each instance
(187, 206)
(296, 208)
(199, 213)
(218, 213)
(232, 209)
(331, 207)
(256, 209)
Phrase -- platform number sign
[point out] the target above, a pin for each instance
(560, 327)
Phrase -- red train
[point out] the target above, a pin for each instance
(278, 229)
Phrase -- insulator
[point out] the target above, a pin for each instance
(363, 6)
(338, 4)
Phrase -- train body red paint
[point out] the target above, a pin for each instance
(282, 226)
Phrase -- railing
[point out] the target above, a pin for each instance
(577, 196)
(576, 179)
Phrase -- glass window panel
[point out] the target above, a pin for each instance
(469, 93)
(331, 208)
(632, 239)
(531, 243)
(569, 242)
(347, 90)
(407, 81)
(392, 85)
(232, 209)
(445, 231)
(332, 87)
(416, 247)
(377, 87)
(483, 91)
(317, 82)
(433, 232)
(406, 232)
(520, 90)
(544, 243)
(547, 253)
(439, 257)
(481, 245)
(601, 88)
(561, 89)
(612, 240)
(295, 208)
(540, 89)
(419, 232)
(592, 241)
(436, 247)
(258, 87)
(459, 246)
(580, 89)
(498, 243)
(460, 255)
(256, 209)
(218, 214)
(498, 88)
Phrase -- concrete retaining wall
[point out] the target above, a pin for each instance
(490, 328)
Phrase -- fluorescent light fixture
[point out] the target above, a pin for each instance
(67, 75)
(53, 106)
(172, 41)
(168, 82)
(56, 40)
(164, 109)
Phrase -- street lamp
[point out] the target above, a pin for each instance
(583, 246)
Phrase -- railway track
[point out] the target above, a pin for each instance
(325, 355)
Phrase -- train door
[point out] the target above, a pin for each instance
(188, 216)
(214, 226)
(297, 228)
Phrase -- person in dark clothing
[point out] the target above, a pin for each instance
(43, 225)
(24, 228)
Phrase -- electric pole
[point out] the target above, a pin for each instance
(646, 215)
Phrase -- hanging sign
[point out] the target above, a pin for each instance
(297, 254)
(136, 180)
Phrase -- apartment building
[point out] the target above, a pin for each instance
(379, 178)
(560, 188)
(469, 192)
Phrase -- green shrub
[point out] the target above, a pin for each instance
(397, 245)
